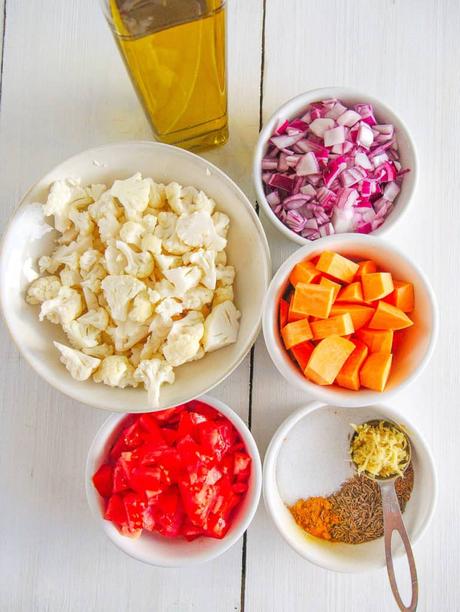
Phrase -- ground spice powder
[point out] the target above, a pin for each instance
(315, 515)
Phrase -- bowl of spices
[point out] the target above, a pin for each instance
(318, 492)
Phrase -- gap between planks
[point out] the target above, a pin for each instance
(251, 366)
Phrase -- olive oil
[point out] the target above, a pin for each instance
(174, 51)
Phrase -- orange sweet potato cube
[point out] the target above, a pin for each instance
(313, 300)
(326, 282)
(351, 293)
(365, 267)
(348, 377)
(296, 332)
(327, 359)
(376, 285)
(337, 266)
(387, 316)
(301, 353)
(341, 325)
(360, 313)
(377, 340)
(303, 272)
(375, 371)
(292, 314)
(402, 296)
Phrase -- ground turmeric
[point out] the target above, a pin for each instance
(315, 516)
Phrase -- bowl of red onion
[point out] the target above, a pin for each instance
(332, 161)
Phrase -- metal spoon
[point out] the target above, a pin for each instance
(393, 521)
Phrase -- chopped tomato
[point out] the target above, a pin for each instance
(180, 472)
(103, 480)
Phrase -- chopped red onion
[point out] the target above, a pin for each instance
(333, 169)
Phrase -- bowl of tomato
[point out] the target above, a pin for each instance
(174, 488)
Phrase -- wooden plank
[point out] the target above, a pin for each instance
(404, 53)
(68, 92)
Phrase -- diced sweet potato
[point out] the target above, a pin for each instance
(327, 359)
(378, 340)
(301, 353)
(360, 314)
(337, 266)
(296, 332)
(348, 376)
(387, 316)
(314, 300)
(402, 296)
(326, 282)
(292, 314)
(284, 311)
(365, 267)
(375, 371)
(351, 293)
(376, 285)
(303, 272)
(334, 326)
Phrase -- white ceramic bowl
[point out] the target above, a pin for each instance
(415, 347)
(307, 456)
(295, 107)
(26, 239)
(171, 552)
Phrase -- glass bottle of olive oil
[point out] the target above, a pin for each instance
(174, 51)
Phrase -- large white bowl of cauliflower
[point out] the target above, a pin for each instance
(133, 276)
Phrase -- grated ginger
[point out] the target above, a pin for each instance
(380, 450)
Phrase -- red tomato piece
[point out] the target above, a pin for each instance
(240, 487)
(242, 462)
(120, 481)
(151, 479)
(149, 452)
(150, 425)
(216, 437)
(227, 465)
(169, 513)
(170, 415)
(135, 504)
(190, 531)
(207, 411)
(188, 424)
(217, 526)
(115, 510)
(103, 480)
(198, 500)
(170, 435)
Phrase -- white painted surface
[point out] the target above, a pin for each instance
(64, 89)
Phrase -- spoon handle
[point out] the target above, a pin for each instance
(393, 521)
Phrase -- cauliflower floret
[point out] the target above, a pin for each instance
(165, 262)
(157, 196)
(166, 225)
(133, 194)
(95, 191)
(100, 351)
(173, 193)
(61, 197)
(151, 243)
(159, 329)
(138, 264)
(63, 308)
(82, 335)
(127, 333)
(69, 277)
(165, 289)
(82, 221)
(109, 226)
(115, 371)
(69, 254)
(149, 222)
(225, 275)
(153, 373)
(197, 230)
(196, 298)
(47, 264)
(118, 291)
(131, 232)
(154, 296)
(192, 323)
(222, 294)
(221, 326)
(180, 349)
(169, 308)
(42, 289)
(221, 224)
(104, 206)
(141, 309)
(205, 260)
(68, 236)
(88, 259)
(135, 354)
(79, 365)
(174, 245)
(90, 299)
(202, 202)
(97, 317)
(92, 279)
(183, 278)
(115, 261)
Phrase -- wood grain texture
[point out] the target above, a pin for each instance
(64, 89)
(405, 53)
(68, 92)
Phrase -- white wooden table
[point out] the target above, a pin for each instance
(63, 90)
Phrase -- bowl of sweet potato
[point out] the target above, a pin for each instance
(350, 320)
